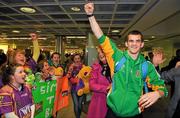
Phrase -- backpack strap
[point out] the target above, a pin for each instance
(119, 64)
(144, 75)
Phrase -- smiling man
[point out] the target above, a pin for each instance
(125, 98)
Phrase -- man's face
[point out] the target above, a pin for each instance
(56, 58)
(134, 44)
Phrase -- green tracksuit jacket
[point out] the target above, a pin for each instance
(128, 82)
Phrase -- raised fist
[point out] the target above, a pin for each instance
(89, 8)
(33, 36)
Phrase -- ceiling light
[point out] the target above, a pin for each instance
(115, 31)
(153, 37)
(146, 40)
(38, 31)
(25, 38)
(27, 10)
(16, 31)
(76, 9)
(43, 38)
(76, 37)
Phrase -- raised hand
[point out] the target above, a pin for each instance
(89, 8)
(33, 36)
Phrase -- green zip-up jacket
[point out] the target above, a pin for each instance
(128, 82)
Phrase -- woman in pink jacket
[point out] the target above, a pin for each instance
(99, 83)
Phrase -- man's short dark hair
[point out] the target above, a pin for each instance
(135, 32)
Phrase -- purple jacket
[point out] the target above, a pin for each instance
(13, 100)
(1, 83)
(32, 64)
(98, 85)
(75, 71)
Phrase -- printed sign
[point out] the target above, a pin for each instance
(44, 95)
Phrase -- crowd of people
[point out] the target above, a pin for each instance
(119, 80)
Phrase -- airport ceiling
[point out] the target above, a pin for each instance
(116, 17)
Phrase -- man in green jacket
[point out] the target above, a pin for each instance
(127, 98)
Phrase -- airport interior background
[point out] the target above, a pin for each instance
(62, 25)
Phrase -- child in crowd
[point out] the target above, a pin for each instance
(73, 70)
(16, 99)
(44, 72)
(18, 56)
(55, 63)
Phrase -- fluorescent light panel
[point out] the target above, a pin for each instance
(76, 37)
(27, 10)
(24, 38)
(76, 9)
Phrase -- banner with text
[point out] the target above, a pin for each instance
(44, 95)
